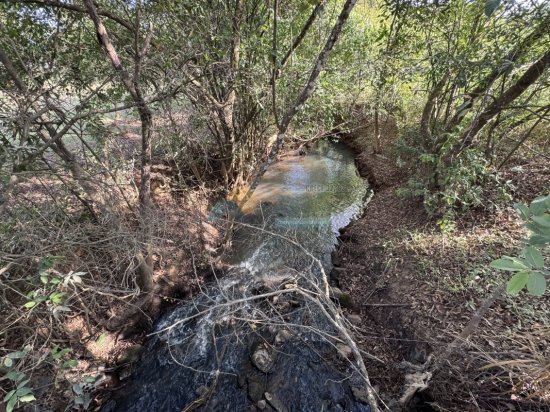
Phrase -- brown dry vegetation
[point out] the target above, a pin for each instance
(415, 288)
(104, 316)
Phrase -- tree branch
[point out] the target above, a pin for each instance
(73, 7)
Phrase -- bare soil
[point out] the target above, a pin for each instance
(415, 288)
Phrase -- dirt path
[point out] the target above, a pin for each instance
(414, 288)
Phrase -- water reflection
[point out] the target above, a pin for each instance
(303, 198)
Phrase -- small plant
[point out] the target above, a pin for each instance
(57, 354)
(531, 270)
(82, 396)
(21, 392)
(51, 287)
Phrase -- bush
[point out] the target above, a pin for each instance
(446, 189)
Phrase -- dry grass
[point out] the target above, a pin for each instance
(47, 235)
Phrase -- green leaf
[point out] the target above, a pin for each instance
(100, 340)
(90, 379)
(536, 228)
(16, 355)
(510, 264)
(56, 297)
(20, 377)
(539, 240)
(30, 304)
(523, 210)
(78, 389)
(22, 383)
(57, 354)
(73, 363)
(11, 404)
(23, 391)
(542, 220)
(48, 262)
(536, 285)
(517, 282)
(533, 257)
(27, 398)
(490, 7)
(9, 395)
(539, 205)
(44, 278)
(11, 375)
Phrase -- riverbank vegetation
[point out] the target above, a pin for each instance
(120, 122)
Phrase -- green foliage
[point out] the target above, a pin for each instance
(52, 284)
(21, 391)
(531, 269)
(57, 355)
(446, 188)
(82, 397)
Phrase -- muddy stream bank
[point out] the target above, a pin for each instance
(259, 338)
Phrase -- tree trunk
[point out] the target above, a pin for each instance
(145, 267)
(300, 37)
(522, 140)
(54, 140)
(425, 122)
(484, 85)
(377, 143)
(304, 95)
(527, 79)
(229, 106)
(307, 91)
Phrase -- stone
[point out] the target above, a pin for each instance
(281, 337)
(275, 403)
(263, 359)
(336, 293)
(336, 273)
(361, 394)
(336, 259)
(342, 297)
(130, 354)
(346, 301)
(355, 319)
(344, 350)
(255, 390)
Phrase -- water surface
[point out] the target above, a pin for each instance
(305, 199)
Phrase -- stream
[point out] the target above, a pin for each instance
(248, 341)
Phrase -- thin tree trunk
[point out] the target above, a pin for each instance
(55, 141)
(229, 106)
(298, 40)
(499, 69)
(527, 79)
(522, 140)
(145, 267)
(425, 122)
(304, 95)
(307, 91)
(377, 144)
